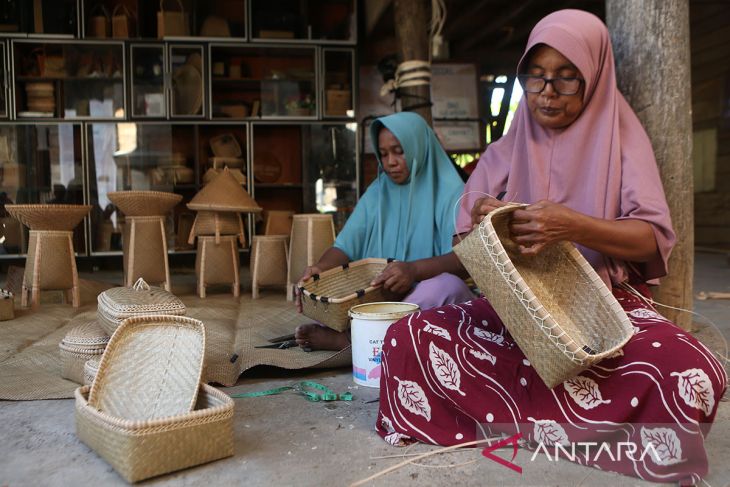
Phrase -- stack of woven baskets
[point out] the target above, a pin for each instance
(82, 344)
(147, 412)
(217, 225)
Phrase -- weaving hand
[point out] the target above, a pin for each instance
(396, 278)
(541, 224)
(482, 207)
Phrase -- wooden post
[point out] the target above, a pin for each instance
(651, 44)
(412, 20)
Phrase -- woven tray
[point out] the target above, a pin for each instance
(49, 217)
(327, 297)
(554, 304)
(144, 203)
(151, 368)
(138, 450)
(119, 303)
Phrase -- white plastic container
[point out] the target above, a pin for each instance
(370, 322)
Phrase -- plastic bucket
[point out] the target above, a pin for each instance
(370, 321)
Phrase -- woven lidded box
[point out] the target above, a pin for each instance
(91, 367)
(554, 304)
(146, 412)
(327, 297)
(81, 343)
(120, 303)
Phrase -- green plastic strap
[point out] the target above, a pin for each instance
(302, 388)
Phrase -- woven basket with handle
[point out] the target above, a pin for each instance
(327, 297)
(554, 304)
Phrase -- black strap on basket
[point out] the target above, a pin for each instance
(360, 293)
(315, 277)
(345, 266)
(389, 260)
(313, 296)
(324, 299)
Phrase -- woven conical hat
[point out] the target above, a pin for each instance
(224, 193)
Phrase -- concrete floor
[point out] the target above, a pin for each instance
(285, 440)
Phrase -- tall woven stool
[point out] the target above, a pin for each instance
(217, 262)
(144, 242)
(278, 222)
(311, 235)
(51, 263)
(268, 262)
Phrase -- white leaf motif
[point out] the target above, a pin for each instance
(645, 313)
(387, 424)
(445, 368)
(483, 356)
(665, 447)
(696, 389)
(488, 335)
(548, 432)
(398, 439)
(412, 398)
(436, 330)
(585, 392)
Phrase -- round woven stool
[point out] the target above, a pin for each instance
(268, 262)
(311, 235)
(217, 262)
(51, 261)
(144, 242)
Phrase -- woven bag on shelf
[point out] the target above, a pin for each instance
(119, 303)
(554, 304)
(328, 297)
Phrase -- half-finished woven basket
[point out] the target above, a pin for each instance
(144, 203)
(554, 304)
(327, 297)
(49, 217)
(151, 368)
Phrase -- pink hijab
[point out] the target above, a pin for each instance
(601, 165)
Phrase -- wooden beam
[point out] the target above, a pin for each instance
(498, 23)
(646, 35)
(463, 20)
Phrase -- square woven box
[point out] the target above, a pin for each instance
(327, 297)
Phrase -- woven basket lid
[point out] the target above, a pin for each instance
(87, 336)
(138, 300)
(144, 203)
(151, 368)
(224, 193)
(49, 217)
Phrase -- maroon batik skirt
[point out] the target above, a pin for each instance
(454, 374)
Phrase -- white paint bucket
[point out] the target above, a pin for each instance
(370, 321)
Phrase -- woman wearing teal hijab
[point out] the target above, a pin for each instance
(406, 214)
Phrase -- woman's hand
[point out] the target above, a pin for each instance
(482, 207)
(397, 277)
(542, 224)
(308, 272)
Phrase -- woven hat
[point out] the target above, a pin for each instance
(554, 304)
(151, 368)
(144, 203)
(49, 217)
(224, 193)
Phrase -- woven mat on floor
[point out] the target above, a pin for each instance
(30, 366)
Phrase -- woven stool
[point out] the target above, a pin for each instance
(144, 241)
(268, 262)
(217, 263)
(311, 235)
(51, 262)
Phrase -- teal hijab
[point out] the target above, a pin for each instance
(409, 221)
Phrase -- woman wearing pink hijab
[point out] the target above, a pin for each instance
(578, 155)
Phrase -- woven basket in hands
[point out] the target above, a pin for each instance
(554, 304)
(151, 368)
(49, 217)
(144, 203)
(142, 449)
(327, 297)
(119, 303)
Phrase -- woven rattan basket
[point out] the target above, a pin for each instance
(142, 449)
(554, 304)
(151, 368)
(119, 303)
(91, 367)
(217, 223)
(49, 217)
(144, 203)
(327, 297)
(84, 342)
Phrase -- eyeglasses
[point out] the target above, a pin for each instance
(563, 86)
